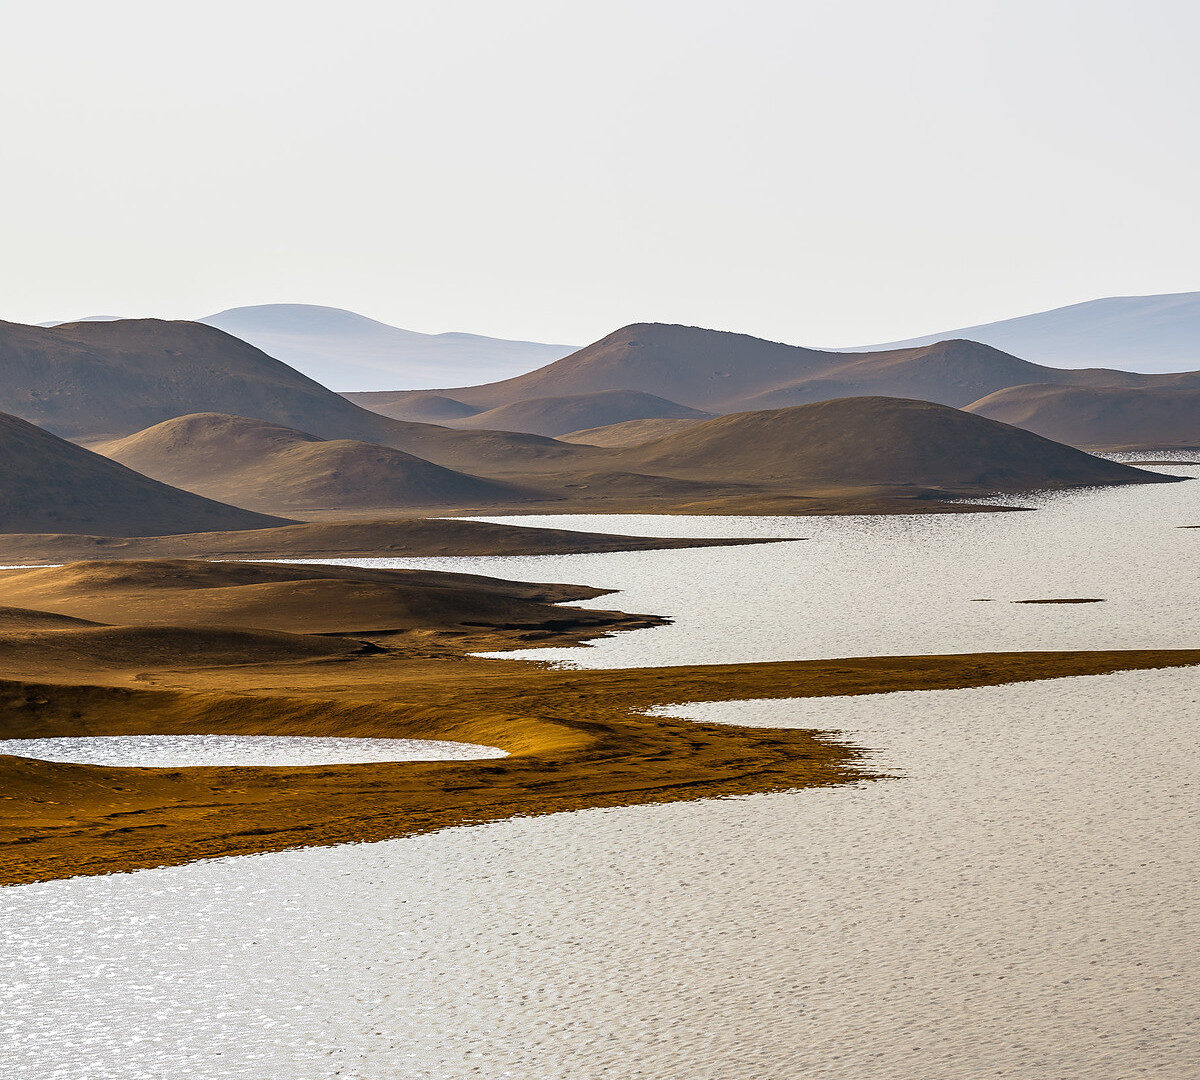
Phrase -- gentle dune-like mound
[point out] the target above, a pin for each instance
(48, 485)
(879, 441)
(93, 381)
(723, 372)
(87, 648)
(264, 465)
(302, 599)
(422, 407)
(630, 433)
(558, 415)
(1099, 417)
(332, 539)
(15, 619)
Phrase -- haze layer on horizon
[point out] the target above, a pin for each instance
(821, 173)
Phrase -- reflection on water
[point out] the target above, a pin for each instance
(860, 586)
(179, 751)
(1020, 902)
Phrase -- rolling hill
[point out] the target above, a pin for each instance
(49, 485)
(1099, 417)
(630, 433)
(347, 351)
(876, 441)
(268, 466)
(95, 381)
(722, 372)
(1141, 333)
(559, 415)
(421, 406)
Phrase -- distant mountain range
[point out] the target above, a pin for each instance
(196, 408)
(346, 351)
(663, 371)
(720, 372)
(1138, 333)
(644, 373)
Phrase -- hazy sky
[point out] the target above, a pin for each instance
(821, 173)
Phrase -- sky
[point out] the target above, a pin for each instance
(819, 173)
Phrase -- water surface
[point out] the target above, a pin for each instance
(180, 751)
(1019, 901)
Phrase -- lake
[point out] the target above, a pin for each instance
(1017, 900)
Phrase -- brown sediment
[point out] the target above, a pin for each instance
(575, 739)
(339, 651)
(1064, 600)
(393, 537)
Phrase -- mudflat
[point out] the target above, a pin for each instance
(575, 739)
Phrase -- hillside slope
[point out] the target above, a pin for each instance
(347, 351)
(559, 415)
(1099, 417)
(264, 465)
(876, 441)
(49, 485)
(722, 372)
(629, 433)
(101, 380)
(1141, 333)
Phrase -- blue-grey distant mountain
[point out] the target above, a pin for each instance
(346, 351)
(1136, 333)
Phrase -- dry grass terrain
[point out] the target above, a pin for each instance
(328, 539)
(379, 654)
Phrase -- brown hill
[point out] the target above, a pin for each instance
(48, 485)
(421, 406)
(298, 599)
(629, 433)
(877, 441)
(88, 648)
(92, 381)
(559, 415)
(267, 466)
(1099, 417)
(723, 372)
(334, 539)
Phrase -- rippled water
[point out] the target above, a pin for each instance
(1020, 901)
(860, 585)
(179, 751)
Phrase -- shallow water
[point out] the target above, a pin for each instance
(861, 586)
(1019, 901)
(180, 751)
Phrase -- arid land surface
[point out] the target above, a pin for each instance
(146, 647)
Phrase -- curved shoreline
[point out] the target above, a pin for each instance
(575, 739)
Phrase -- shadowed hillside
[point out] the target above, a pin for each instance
(559, 415)
(629, 433)
(722, 372)
(297, 599)
(422, 406)
(48, 485)
(872, 440)
(1099, 417)
(259, 464)
(100, 380)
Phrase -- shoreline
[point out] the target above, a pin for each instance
(575, 739)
